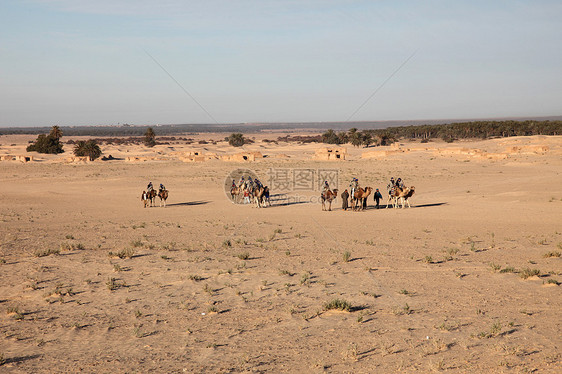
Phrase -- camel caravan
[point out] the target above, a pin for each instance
(148, 197)
(398, 194)
(248, 191)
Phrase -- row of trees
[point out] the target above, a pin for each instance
(358, 138)
(447, 132)
(51, 144)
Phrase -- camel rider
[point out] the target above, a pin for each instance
(391, 186)
(149, 187)
(250, 184)
(326, 187)
(258, 183)
(242, 183)
(399, 183)
(233, 184)
(162, 188)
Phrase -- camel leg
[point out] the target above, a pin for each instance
(330, 205)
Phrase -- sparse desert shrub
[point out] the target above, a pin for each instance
(124, 253)
(227, 243)
(243, 256)
(428, 259)
(551, 254)
(508, 269)
(305, 278)
(526, 273)
(403, 310)
(338, 304)
(494, 331)
(553, 281)
(112, 284)
(495, 267)
(195, 278)
(346, 256)
(136, 243)
(46, 252)
(452, 251)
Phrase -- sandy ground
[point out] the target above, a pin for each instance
(216, 287)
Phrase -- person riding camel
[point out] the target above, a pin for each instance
(233, 184)
(149, 187)
(391, 186)
(162, 188)
(326, 187)
(400, 183)
(241, 183)
(258, 183)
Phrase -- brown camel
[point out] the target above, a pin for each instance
(359, 200)
(144, 198)
(151, 196)
(393, 195)
(258, 194)
(406, 193)
(163, 195)
(328, 196)
(236, 193)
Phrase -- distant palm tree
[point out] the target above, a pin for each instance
(149, 137)
(87, 148)
(56, 133)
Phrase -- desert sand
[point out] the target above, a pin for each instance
(211, 286)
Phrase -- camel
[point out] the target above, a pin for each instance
(151, 196)
(235, 193)
(393, 196)
(359, 200)
(406, 193)
(258, 194)
(266, 196)
(163, 195)
(144, 198)
(328, 196)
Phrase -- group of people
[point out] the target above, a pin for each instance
(354, 186)
(150, 187)
(247, 186)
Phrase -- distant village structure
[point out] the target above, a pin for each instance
(331, 153)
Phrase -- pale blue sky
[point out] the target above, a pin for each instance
(78, 62)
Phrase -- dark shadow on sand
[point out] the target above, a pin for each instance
(189, 203)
